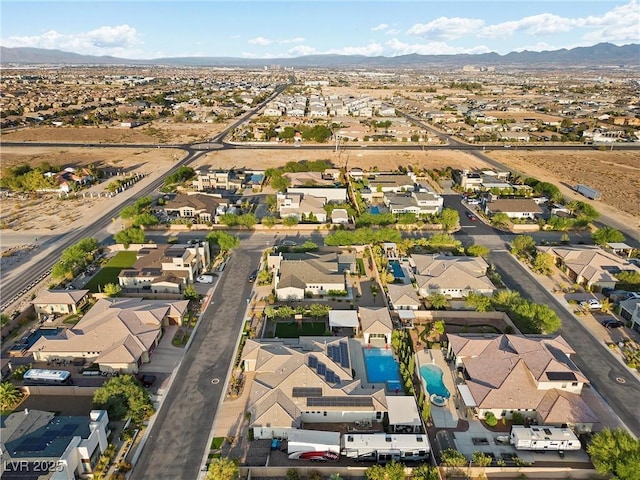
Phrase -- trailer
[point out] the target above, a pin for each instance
(313, 445)
(385, 447)
(543, 438)
(588, 192)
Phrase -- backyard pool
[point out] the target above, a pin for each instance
(375, 210)
(397, 269)
(432, 375)
(382, 367)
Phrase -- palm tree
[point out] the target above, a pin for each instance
(9, 395)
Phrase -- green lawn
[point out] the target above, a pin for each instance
(292, 330)
(109, 273)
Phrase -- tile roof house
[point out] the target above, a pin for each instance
(297, 275)
(534, 376)
(43, 445)
(306, 380)
(166, 268)
(119, 334)
(403, 297)
(60, 302)
(376, 324)
(301, 206)
(514, 207)
(454, 277)
(588, 265)
(200, 207)
(420, 203)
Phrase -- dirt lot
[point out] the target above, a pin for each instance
(46, 213)
(615, 173)
(154, 132)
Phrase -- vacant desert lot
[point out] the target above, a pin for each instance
(615, 173)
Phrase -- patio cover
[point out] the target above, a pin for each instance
(406, 315)
(343, 318)
(467, 398)
(403, 411)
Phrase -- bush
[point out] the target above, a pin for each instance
(490, 419)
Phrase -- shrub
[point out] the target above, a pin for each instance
(490, 419)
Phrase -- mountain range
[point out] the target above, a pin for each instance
(602, 54)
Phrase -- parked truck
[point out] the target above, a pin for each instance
(588, 192)
(543, 438)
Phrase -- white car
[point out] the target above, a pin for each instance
(205, 279)
(591, 304)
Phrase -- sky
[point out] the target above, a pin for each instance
(146, 29)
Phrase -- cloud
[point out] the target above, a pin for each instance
(445, 28)
(398, 47)
(382, 26)
(300, 50)
(393, 31)
(119, 40)
(291, 40)
(369, 50)
(618, 25)
(260, 41)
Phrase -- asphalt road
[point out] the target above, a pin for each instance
(179, 436)
(592, 356)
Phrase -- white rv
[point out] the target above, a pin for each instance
(303, 444)
(543, 438)
(385, 447)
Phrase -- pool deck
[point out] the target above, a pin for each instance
(447, 416)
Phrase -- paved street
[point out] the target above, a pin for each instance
(177, 441)
(617, 385)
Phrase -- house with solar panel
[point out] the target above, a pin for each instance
(532, 376)
(308, 380)
(38, 444)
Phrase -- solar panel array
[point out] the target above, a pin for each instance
(312, 361)
(307, 392)
(41, 442)
(561, 376)
(322, 368)
(331, 377)
(339, 354)
(339, 402)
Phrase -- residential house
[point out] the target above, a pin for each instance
(534, 377)
(306, 380)
(59, 302)
(69, 178)
(301, 179)
(118, 334)
(376, 325)
(37, 444)
(302, 207)
(403, 297)
(468, 180)
(207, 180)
(418, 203)
(330, 194)
(315, 273)
(589, 265)
(197, 207)
(514, 208)
(166, 268)
(454, 277)
(392, 183)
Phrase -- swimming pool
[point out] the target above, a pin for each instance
(382, 367)
(375, 210)
(397, 269)
(432, 375)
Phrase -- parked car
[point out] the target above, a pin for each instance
(591, 304)
(471, 216)
(253, 276)
(205, 279)
(611, 323)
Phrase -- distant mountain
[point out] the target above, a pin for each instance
(602, 54)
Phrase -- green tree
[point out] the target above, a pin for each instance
(123, 396)
(111, 290)
(269, 311)
(628, 277)
(425, 471)
(223, 469)
(477, 301)
(523, 245)
(318, 310)
(247, 220)
(500, 219)
(449, 218)
(285, 311)
(290, 221)
(280, 183)
(453, 458)
(269, 221)
(10, 396)
(129, 235)
(605, 235)
(190, 293)
(481, 459)
(145, 219)
(224, 240)
(490, 419)
(438, 301)
(478, 251)
(390, 471)
(292, 474)
(543, 263)
(615, 452)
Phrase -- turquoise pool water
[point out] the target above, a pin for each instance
(382, 368)
(397, 269)
(432, 375)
